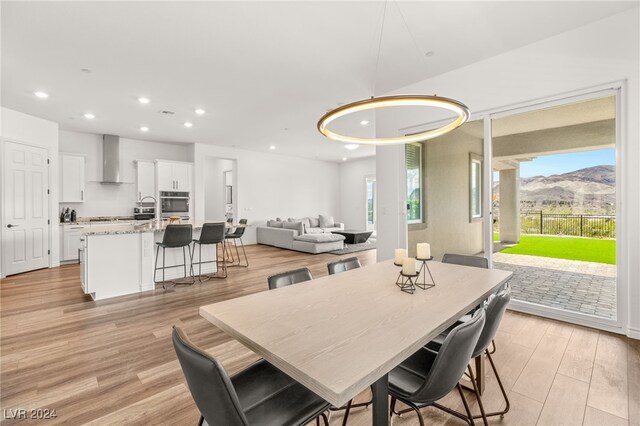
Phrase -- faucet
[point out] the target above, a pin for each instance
(148, 196)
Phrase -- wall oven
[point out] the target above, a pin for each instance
(174, 204)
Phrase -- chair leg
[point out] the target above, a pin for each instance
(246, 260)
(325, 419)
(478, 396)
(201, 421)
(392, 409)
(163, 269)
(504, 392)
(155, 266)
(493, 345)
(466, 406)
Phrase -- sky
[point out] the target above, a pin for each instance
(562, 163)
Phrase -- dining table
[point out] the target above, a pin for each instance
(339, 334)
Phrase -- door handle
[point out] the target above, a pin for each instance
(11, 226)
(82, 195)
(139, 196)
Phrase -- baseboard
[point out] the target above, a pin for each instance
(570, 317)
(633, 333)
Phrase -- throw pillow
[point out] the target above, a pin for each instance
(274, 224)
(298, 226)
(314, 222)
(326, 221)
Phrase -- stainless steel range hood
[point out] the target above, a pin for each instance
(111, 160)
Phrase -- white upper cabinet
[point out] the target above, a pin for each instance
(71, 178)
(174, 176)
(182, 176)
(146, 180)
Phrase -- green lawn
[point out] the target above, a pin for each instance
(587, 249)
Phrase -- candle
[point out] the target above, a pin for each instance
(409, 266)
(424, 251)
(400, 255)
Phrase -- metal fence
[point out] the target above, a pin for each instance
(579, 225)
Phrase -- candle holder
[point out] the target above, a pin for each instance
(406, 282)
(424, 269)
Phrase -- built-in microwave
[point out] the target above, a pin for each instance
(174, 204)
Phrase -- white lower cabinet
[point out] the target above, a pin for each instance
(70, 242)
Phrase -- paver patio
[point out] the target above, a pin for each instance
(585, 287)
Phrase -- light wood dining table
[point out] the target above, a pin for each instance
(339, 334)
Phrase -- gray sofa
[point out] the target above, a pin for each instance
(305, 238)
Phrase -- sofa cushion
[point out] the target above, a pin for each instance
(298, 226)
(326, 221)
(314, 231)
(319, 238)
(314, 222)
(274, 223)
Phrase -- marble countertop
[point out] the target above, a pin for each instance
(146, 226)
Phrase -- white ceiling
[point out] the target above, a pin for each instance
(257, 68)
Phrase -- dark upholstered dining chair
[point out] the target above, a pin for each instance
(428, 376)
(495, 308)
(343, 265)
(284, 279)
(258, 395)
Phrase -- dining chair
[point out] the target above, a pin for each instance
(428, 376)
(175, 236)
(461, 259)
(258, 395)
(211, 234)
(343, 265)
(466, 260)
(236, 236)
(495, 308)
(284, 279)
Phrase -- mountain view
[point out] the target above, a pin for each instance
(585, 191)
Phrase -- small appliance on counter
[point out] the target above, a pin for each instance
(73, 216)
(145, 210)
(65, 216)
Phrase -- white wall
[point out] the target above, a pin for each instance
(353, 192)
(215, 195)
(19, 127)
(446, 193)
(113, 200)
(593, 55)
(272, 185)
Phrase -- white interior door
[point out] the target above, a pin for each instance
(26, 209)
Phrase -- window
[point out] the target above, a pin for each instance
(413, 157)
(475, 187)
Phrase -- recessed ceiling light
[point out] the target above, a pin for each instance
(188, 124)
(364, 122)
(86, 70)
(272, 147)
(344, 158)
(42, 95)
(200, 111)
(143, 100)
(430, 53)
(89, 116)
(352, 146)
(144, 129)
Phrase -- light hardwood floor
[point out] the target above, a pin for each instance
(112, 362)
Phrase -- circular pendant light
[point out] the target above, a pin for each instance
(460, 109)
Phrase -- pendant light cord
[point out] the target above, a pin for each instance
(413, 38)
(375, 75)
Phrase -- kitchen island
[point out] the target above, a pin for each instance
(119, 259)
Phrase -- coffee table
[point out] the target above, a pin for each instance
(353, 236)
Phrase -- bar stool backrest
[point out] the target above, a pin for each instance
(239, 232)
(461, 259)
(177, 235)
(212, 233)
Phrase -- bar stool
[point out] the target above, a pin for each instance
(237, 235)
(212, 233)
(175, 236)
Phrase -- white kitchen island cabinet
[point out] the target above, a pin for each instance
(119, 260)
